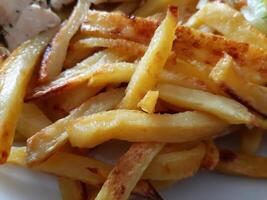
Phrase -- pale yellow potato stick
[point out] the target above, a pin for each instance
(50, 139)
(16, 72)
(226, 74)
(225, 20)
(225, 108)
(55, 54)
(149, 101)
(136, 126)
(148, 69)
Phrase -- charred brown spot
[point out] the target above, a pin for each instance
(174, 10)
(4, 156)
(227, 156)
(93, 170)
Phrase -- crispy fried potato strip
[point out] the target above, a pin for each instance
(225, 20)
(136, 126)
(55, 54)
(220, 106)
(31, 120)
(226, 74)
(50, 139)
(148, 103)
(16, 73)
(176, 165)
(241, 164)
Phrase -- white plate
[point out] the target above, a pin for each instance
(21, 184)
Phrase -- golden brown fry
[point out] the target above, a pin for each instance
(148, 103)
(50, 139)
(15, 75)
(76, 75)
(225, 20)
(136, 126)
(222, 107)
(55, 54)
(68, 165)
(71, 189)
(120, 182)
(176, 165)
(251, 140)
(148, 69)
(226, 74)
(211, 157)
(190, 44)
(31, 120)
(234, 163)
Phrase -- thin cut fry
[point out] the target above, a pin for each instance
(71, 189)
(225, 20)
(138, 157)
(50, 139)
(16, 73)
(149, 101)
(251, 140)
(176, 165)
(76, 75)
(146, 73)
(226, 75)
(234, 163)
(31, 120)
(136, 126)
(222, 107)
(55, 54)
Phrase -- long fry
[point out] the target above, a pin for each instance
(225, 73)
(225, 19)
(136, 126)
(251, 140)
(222, 107)
(234, 163)
(50, 139)
(55, 54)
(16, 73)
(71, 189)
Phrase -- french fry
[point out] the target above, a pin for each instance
(226, 75)
(176, 165)
(222, 107)
(66, 165)
(145, 190)
(78, 95)
(50, 139)
(55, 54)
(76, 75)
(125, 124)
(4, 53)
(71, 189)
(190, 44)
(120, 182)
(211, 157)
(234, 163)
(146, 73)
(15, 75)
(31, 120)
(225, 20)
(115, 25)
(121, 45)
(251, 140)
(149, 101)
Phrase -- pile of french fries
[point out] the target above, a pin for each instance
(162, 75)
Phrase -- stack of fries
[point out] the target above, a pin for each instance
(162, 75)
